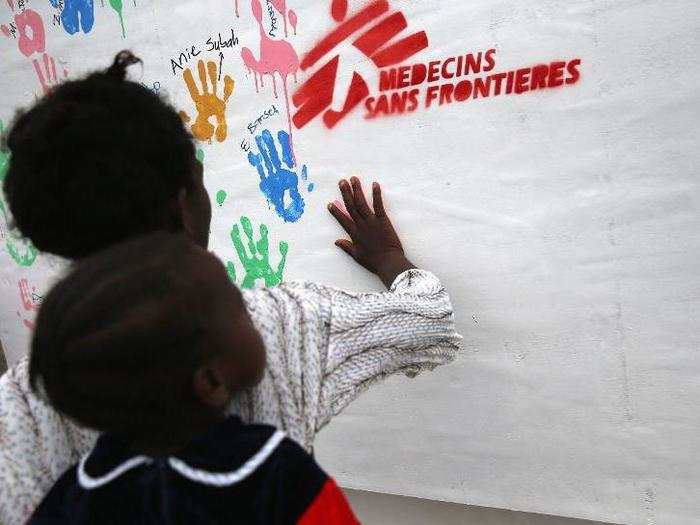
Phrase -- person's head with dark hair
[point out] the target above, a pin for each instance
(147, 340)
(102, 159)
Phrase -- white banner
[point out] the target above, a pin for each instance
(541, 157)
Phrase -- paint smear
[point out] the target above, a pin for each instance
(200, 155)
(29, 325)
(220, 197)
(339, 10)
(21, 250)
(276, 56)
(281, 6)
(293, 20)
(305, 179)
(119, 8)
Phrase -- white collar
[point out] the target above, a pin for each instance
(216, 479)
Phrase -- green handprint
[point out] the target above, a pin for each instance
(21, 250)
(256, 259)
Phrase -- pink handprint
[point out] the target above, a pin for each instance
(32, 36)
(30, 302)
(32, 41)
(47, 75)
(276, 56)
(28, 296)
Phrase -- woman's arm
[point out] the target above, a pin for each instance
(326, 345)
(370, 336)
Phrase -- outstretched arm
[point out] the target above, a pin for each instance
(326, 345)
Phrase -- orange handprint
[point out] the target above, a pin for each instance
(208, 103)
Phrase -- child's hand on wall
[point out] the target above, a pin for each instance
(374, 242)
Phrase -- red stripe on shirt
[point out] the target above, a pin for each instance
(329, 508)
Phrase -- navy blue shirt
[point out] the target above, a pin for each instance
(234, 473)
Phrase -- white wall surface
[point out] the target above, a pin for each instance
(563, 221)
(372, 508)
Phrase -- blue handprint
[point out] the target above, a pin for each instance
(278, 182)
(76, 13)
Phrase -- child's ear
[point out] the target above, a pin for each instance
(210, 386)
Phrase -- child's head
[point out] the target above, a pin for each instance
(100, 160)
(148, 340)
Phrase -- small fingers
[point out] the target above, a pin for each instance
(40, 75)
(377, 200)
(346, 246)
(359, 198)
(231, 271)
(247, 227)
(345, 221)
(191, 86)
(228, 87)
(203, 76)
(348, 200)
(53, 70)
(211, 69)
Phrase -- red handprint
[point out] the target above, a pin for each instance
(30, 302)
(32, 41)
(28, 297)
(48, 78)
(32, 37)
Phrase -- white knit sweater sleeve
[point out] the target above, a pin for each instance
(36, 446)
(326, 345)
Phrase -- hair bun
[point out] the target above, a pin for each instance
(123, 60)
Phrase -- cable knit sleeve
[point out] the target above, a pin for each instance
(406, 330)
(325, 345)
(36, 446)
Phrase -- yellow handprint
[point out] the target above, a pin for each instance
(208, 103)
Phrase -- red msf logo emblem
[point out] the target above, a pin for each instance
(315, 96)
